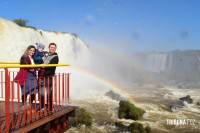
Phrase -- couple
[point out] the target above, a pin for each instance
(26, 77)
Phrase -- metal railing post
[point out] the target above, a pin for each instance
(7, 99)
(22, 119)
(68, 87)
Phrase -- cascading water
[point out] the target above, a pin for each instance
(71, 49)
(15, 39)
(156, 62)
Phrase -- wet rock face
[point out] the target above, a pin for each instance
(187, 99)
(114, 95)
(179, 103)
(121, 127)
(198, 103)
(82, 117)
(134, 127)
(174, 105)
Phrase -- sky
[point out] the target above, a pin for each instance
(129, 25)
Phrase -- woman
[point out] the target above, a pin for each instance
(26, 77)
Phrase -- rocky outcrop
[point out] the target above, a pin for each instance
(82, 117)
(187, 99)
(134, 127)
(128, 110)
(114, 95)
(175, 105)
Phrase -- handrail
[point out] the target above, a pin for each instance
(9, 62)
(30, 66)
(6, 65)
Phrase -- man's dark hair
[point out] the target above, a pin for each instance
(52, 44)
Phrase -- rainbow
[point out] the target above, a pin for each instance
(104, 82)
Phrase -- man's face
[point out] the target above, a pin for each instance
(52, 49)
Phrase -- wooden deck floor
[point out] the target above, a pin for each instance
(22, 121)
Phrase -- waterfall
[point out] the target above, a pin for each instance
(170, 61)
(156, 62)
(15, 39)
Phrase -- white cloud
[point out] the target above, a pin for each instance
(89, 18)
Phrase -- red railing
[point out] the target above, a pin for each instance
(15, 114)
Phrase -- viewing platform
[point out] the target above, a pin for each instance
(31, 117)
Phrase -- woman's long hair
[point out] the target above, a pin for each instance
(23, 57)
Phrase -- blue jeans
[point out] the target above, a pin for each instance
(31, 85)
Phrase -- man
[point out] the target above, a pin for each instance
(49, 73)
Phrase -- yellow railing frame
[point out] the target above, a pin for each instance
(6, 65)
(9, 62)
(17, 65)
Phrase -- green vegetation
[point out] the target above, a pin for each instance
(121, 127)
(128, 110)
(147, 129)
(134, 127)
(82, 117)
(21, 22)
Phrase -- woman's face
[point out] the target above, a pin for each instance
(31, 51)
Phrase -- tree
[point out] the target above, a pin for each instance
(21, 22)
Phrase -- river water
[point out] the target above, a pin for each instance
(154, 100)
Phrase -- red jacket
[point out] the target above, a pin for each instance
(22, 75)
